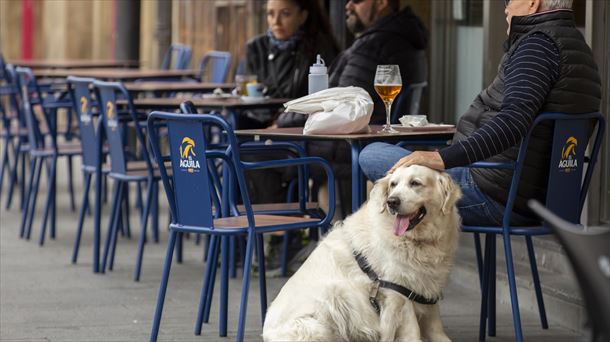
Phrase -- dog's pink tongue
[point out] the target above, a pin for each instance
(401, 224)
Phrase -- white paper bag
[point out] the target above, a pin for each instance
(334, 111)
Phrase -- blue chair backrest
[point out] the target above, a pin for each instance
(83, 105)
(191, 191)
(114, 117)
(30, 95)
(179, 54)
(401, 106)
(215, 64)
(566, 189)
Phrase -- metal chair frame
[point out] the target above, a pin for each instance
(486, 265)
(219, 61)
(191, 202)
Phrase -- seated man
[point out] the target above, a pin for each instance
(384, 35)
(547, 67)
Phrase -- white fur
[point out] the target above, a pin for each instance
(327, 299)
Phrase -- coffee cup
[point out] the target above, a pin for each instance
(255, 89)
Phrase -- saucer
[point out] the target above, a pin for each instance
(428, 127)
(252, 99)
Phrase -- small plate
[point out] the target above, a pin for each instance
(252, 99)
(219, 96)
(428, 127)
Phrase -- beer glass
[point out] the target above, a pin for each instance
(388, 84)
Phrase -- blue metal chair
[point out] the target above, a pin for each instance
(215, 65)
(588, 250)
(177, 57)
(18, 131)
(9, 130)
(413, 93)
(193, 201)
(566, 192)
(115, 123)
(43, 148)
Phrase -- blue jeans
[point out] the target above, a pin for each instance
(474, 207)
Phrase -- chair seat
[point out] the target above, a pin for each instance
(280, 206)
(15, 131)
(241, 222)
(68, 149)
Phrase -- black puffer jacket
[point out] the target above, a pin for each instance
(284, 73)
(399, 38)
(576, 91)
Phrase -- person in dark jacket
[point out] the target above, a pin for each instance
(547, 67)
(384, 35)
(280, 58)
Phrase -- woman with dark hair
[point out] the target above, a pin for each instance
(298, 31)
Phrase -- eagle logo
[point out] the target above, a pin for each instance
(569, 148)
(83, 104)
(186, 147)
(109, 110)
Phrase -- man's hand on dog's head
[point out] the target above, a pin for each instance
(431, 159)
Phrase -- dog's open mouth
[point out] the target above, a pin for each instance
(404, 223)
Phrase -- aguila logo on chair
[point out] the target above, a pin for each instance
(84, 110)
(187, 152)
(568, 162)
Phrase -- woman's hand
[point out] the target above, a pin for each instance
(431, 159)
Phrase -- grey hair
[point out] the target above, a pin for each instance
(548, 5)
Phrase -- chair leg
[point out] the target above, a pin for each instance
(5, 162)
(206, 284)
(112, 226)
(232, 258)
(260, 256)
(485, 288)
(25, 211)
(71, 184)
(49, 202)
(126, 214)
(32, 198)
(143, 224)
(510, 270)
(243, 308)
(81, 215)
(12, 173)
(155, 213)
(167, 264)
(224, 286)
(491, 298)
(22, 184)
(20, 180)
(477, 249)
(179, 244)
(210, 288)
(115, 237)
(534, 267)
(284, 255)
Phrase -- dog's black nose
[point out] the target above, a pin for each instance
(393, 202)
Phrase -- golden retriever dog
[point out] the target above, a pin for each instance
(405, 234)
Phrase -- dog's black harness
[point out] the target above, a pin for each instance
(377, 283)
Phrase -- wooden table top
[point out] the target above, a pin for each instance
(176, 86)
(208, 102)
(296, 133)
(74, 63)
(116, 74)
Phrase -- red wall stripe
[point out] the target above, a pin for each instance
(27, 29)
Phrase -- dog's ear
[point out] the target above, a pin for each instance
(450, 192)
(379, 194)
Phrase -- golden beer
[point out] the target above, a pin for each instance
(388, 92)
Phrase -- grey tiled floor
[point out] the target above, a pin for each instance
(43, 297)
